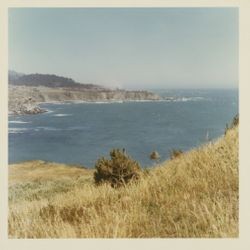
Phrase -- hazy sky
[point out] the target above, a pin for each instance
(128, 47)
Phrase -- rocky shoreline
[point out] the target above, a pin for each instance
(25, 106)
(26, 99)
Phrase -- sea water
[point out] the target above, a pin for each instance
(80, 133)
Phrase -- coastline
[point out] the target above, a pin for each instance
(26, 99)
(40, 110)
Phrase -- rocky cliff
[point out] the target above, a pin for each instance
(27, 91)
(26, 99)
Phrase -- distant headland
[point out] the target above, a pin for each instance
(27, 91)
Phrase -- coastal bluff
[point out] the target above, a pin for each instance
(26, 92)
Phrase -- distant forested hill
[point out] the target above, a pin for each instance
(47, 80)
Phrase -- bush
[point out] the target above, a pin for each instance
(154, 155)
(118, 171)
(234, 123)
(175, 153)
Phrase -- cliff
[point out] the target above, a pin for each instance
(26, 92)
(25, 99)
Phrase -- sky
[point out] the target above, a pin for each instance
(128, 47)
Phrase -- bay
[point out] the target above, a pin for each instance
(80, 133)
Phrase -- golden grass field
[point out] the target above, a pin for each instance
(194, 195)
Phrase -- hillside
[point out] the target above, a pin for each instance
(194, 195)
(49, 80)
(26, 92)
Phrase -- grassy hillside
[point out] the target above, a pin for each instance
(194, 195)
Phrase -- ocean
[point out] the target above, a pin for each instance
(80, 133)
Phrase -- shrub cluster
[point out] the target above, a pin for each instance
(175, 153)
(118, 171)
(154, 155)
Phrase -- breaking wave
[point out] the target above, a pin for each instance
(62, 115)
(17, 130)
(18, 122)
(184, 99)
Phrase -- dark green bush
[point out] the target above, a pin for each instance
(118, 171)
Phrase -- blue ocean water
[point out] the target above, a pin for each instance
(82, 132)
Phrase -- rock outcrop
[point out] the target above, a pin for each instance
(24, 106)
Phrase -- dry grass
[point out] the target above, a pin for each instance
(194, 195)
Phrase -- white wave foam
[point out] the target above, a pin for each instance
(40, 129)
(48, 111)
(168, 99)
(36, 129)
(18, 122)
(17, 130)
(46, 129)
(97, 102)
(105, 102)
(62, 115)
(186, 99)
(123, 101)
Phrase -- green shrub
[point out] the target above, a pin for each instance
(175, 153)
(118, 171)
